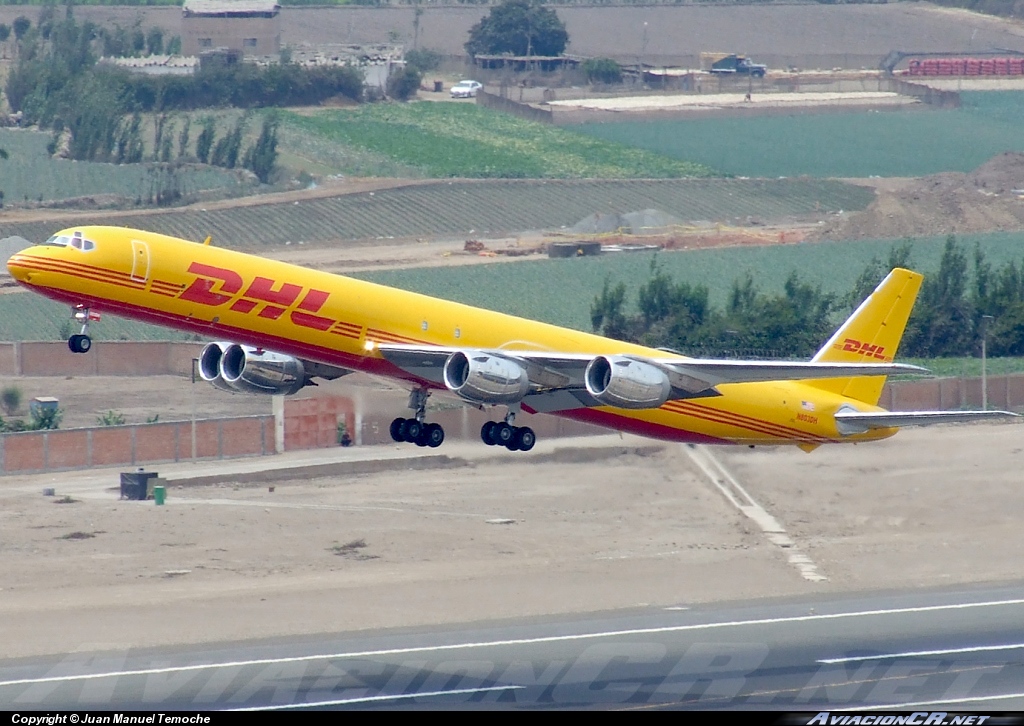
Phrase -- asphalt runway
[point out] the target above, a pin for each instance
(951, 649)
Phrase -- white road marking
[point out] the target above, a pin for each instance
(737, 496)
(521, 641)
(921, 653)
(371, 699)
(902, 706)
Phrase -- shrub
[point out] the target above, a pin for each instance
(403, 85)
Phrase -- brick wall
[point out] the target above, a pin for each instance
(112, 358)
(36, 451)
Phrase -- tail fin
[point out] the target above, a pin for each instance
(871, 334)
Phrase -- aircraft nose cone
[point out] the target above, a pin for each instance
(19, 267)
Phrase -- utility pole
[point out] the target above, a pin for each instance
(984, 344)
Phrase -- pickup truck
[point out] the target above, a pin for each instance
(738, 65)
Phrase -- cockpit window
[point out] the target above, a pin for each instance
(76, 240)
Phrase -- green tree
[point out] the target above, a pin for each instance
(155, 41)
(261, 156)
(942, 323)
(423, 58)
(519, 27)
(602, 70)
(227, 149)
(21, 25)
(606, 314)
(183, 138)
(205, 141)
(875, 271)
(5, 32)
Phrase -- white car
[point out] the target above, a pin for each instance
(466, 89)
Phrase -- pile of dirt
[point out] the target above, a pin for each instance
(646, 221)
(990, 198)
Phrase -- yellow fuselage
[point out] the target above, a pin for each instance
(319, 316)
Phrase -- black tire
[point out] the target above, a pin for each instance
(422, 438)
(84, 343)
(503, 434)
(435, 435)
(487, 433)
(513, 444)
(525, 438)
(413, 428)
(398, 430)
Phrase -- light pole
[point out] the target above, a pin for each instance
(984, 378)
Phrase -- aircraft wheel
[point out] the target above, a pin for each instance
(487, 433)
(79, 343)
(503, 434)
(423, 437)
(435, 435)
(413, 428)
(398, 430)
(525, 438)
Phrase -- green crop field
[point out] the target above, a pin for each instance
(25, 316)
(30, 174)
(889, 143)
(561, 291)
(465, 140)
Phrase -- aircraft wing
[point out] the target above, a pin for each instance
(553, 372)
(851, 422)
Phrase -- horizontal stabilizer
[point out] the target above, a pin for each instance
(856, 422)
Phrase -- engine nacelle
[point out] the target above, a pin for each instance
(484, 378)
(209, 365)
(615, 380)
(253, 370)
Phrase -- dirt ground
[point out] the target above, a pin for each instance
(990, 198)
(584, 526)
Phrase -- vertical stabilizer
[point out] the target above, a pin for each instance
(871, 335)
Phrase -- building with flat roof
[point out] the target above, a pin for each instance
(252, 27)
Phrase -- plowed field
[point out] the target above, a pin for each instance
(463, 208)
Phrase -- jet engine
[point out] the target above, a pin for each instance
(209, 365)
(244, 369)
(615, 380)
(253, 370)
(485, 378)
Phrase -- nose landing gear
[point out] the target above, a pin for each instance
(82, 343)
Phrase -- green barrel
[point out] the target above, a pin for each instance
(159, 494)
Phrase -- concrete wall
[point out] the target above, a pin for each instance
(113, 358)
(225, 438)
(1004, 392)
(489, 100)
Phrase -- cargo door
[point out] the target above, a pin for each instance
(140, 261)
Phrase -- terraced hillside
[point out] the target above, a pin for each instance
(480, 208)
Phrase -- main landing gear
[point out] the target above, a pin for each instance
(503, 433)
(81, 343)
(415, 430)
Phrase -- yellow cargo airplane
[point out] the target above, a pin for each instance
(288, 325)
